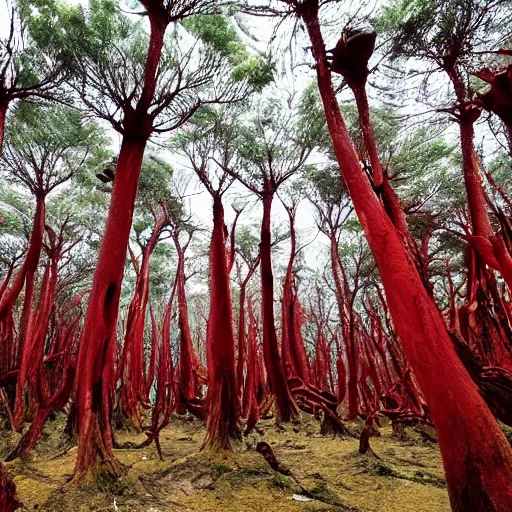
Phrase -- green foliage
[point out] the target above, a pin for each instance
(46, 145)
(327, 182)
(217, 32)
(444, 31)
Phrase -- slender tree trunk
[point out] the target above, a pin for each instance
(188, 367)
(294, 354)
(26, 273)
(350, 390)
(223, 402)
(250, 409)
(476, 455)
(98, 341)
(132, 370)
(286, 406)
(33, 345)
(241, 339)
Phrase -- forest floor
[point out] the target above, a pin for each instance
(407, 475)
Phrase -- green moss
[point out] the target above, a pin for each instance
(322, 493)
(220, 469)
(281, 482)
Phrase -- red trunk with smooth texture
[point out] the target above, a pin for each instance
(223, 402)
(476, 455)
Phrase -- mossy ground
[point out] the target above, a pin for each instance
(406, 477)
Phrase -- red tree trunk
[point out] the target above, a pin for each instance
(24, 277)
(33, 346)
(189, 370)
(132, 370)
(295, 360)
(98, 341)
(476, 455)
(286, 407)
(223, 402)
(8, 501)
(253, 382)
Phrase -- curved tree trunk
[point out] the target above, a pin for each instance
(188, 367)
(294, 354)
(24, 277)
(223, 402)
(286, 407)
(33, 346)
(132, 371)
(476, 455)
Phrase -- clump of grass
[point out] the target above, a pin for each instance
(321, 492)
(280, 481)
(218, 470)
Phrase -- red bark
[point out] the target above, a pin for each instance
(190, 373)
(253, 384)
(8, 501)
(134, 393)
(286, 407)
(98, 342)
(476, 455)
(295, 359)
(241, 327)
(223, 402)
(24, 277)
(35, 334)
(94, 392)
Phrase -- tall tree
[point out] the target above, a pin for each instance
(272, 149)
(140, 93)
(473, 476)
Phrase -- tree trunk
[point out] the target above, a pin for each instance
(286, 407)
(294, 354)
(8, 501)
(250, 408)
(97, 345)
(33, 344)
(242, 352)
(98, 341)
(223, 402)
(25, 276)
(476, 455)
(188, 366)
(132, 370)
